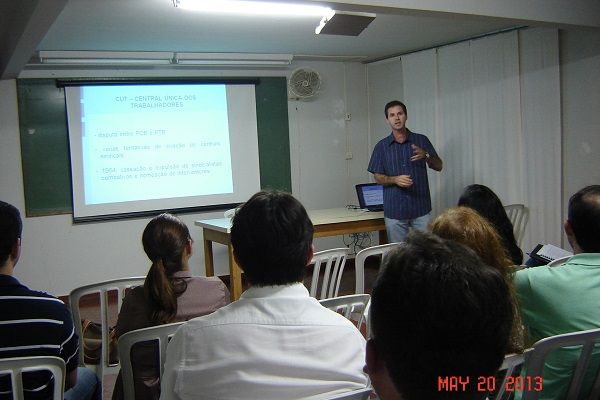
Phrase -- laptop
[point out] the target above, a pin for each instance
(370, 196)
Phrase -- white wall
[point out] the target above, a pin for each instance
(59, 256)
(580, 78)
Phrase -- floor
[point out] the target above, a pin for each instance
(90, 309)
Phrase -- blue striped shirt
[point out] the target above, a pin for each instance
(34, 324)
(392, 158)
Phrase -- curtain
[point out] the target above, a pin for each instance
(491, 108)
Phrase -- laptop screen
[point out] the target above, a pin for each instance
(370, 195)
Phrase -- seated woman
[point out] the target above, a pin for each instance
(170, 294)
(466, 226)
(483, 200)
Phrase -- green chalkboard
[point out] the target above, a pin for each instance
(45, 146)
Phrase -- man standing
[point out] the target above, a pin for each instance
(275, 342)
(399, 162)
(36, 324)
(565, 298)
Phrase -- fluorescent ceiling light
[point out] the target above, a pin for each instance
(233, 59)
(252, 7)
(105, 57)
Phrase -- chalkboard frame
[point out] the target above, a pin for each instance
(45, 147)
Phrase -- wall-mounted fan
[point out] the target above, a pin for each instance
(304, 83)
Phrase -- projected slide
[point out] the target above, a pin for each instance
(148, 142)
(161, 146)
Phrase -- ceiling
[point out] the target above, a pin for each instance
(156, 25)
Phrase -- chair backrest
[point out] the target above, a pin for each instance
(518, 215)
(558, 261)
(334, 261)
(352, 306)
(103, 289)
(360, 394)
(160, 333)
(511, 368)
(15, 367)
(541, 349)
(359, 262)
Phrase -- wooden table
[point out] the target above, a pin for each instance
(330, 222)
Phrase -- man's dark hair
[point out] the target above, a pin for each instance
(395, 103)
(11, 228)
(271, 236)
(584, 216)
(438, 311)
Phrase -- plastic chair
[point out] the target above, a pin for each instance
(511, 367)
(558, 261)
(15, 367)
(352, 306)
(104, 367)
(518, 215)
(160, 333)
(359, 262)
(360, 394)
(541, 349)
(334, 261)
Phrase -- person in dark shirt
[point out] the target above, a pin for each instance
(34, 323)
(399, 162)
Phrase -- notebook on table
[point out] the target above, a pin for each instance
(370, 196)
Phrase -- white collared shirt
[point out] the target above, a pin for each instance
(275, 342)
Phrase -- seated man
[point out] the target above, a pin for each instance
(440, 322)
(36, 324)
(563, 299)
(275, 342)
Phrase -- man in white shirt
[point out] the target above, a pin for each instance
(275, 342)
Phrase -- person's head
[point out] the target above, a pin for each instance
(11, 227)
(395, 113)
(395, 103)
(436, 311)
(167, 243)
(468, 227)
(271, 235)
(483, 200)
(583, 222)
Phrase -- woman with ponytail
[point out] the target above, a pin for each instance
(170, 294)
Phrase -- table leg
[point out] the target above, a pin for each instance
(209, 263)
(383, 239)
(235, 276)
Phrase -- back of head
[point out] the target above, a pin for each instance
(438, 311)
(466, 226)
(483, 200)
(164, 239)
(584, 217)
(11, 227)
(271, 236)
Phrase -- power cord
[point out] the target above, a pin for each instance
(357, 241)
